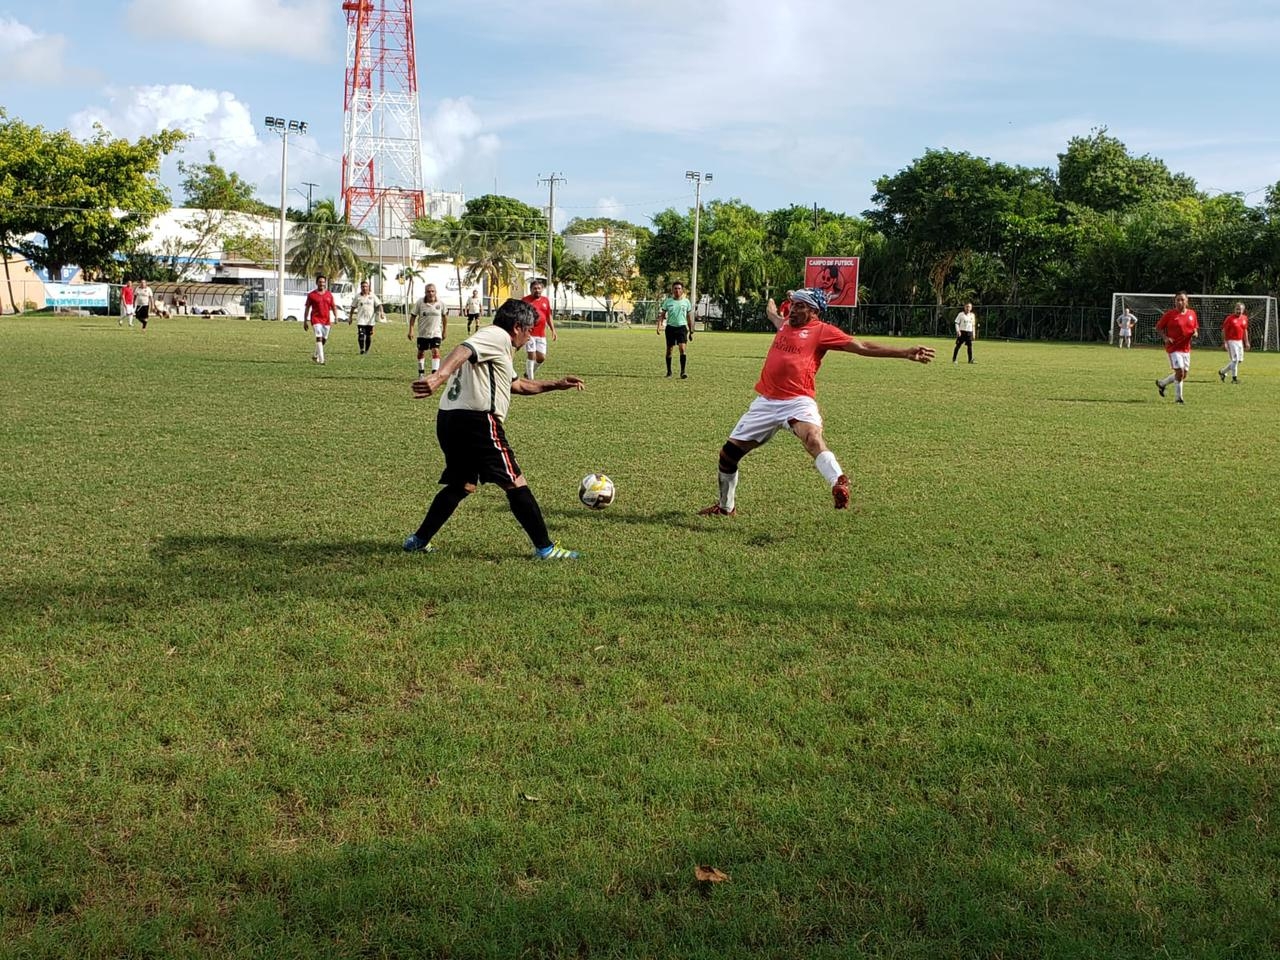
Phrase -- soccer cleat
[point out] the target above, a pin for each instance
(840, 492)
(684, 376)
(1180, 400)
(715, 510)
(1160, 387)
(554, 552)
(1235, 379)
(415, 544)
(1222, 376)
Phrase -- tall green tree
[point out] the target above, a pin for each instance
(1097, 171)
(209, 186)
(88, 200)
(326, 243)
(450, 241)
(496, 264)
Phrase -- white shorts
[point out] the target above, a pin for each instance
(322, 330)
(1235, 350)
(766, 417)
(1180, 360)
(536, 345)
(127, 310)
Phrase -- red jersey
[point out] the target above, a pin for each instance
(321, 304)
(794, 358)
(126, 295)
(543, 306)
(1178, 327)
(1234, 326)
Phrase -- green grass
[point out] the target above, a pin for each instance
(1022, 700)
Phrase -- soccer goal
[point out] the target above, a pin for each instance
(1148, 308)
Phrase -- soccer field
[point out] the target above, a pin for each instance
(1022, 699)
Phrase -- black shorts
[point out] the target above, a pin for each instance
(428, 343)
(475, 449)
(677, 335)
(143, 312)
(473, 318)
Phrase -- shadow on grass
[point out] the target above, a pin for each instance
(1096, 400)
(1072, 856)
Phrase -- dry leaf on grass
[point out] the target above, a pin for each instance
(709, 874)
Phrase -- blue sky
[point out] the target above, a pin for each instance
(786, 102)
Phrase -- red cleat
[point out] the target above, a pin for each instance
(715, 510)
(840, 492)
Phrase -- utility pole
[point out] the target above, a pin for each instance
(283, 127)
(551, 180)
(697, 177)
(310, 186)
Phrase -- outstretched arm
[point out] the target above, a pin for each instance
(771, 311)
(448, 366)
(525, 387)
(865, 349)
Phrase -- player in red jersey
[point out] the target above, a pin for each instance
(786, 398)
(536, 349)
(319, 313)
(1178, 326)
(1235, 338)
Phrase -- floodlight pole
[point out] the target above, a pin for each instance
(697, 176)
(284, 127)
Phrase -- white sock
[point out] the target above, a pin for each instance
(1168, 380)
(320, 350)
(435, 364)
(1179, 389)
(530, 368)
(1235, 368)
(728, 490)
(422, 367)
(828, 466)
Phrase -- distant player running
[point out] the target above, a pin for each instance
(1235, 337)
(1178, 326)
(786, 398)
(433, 326)
(536, 349)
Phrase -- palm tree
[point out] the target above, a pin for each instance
(450, 241)
(570, 272)
(326, 243)
(409, 275)
(495, 262)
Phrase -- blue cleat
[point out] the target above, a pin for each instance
(554, 552)
(415, 544)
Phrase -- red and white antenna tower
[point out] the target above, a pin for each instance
(382, 128)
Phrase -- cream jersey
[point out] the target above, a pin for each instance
(364, 308)
(429, 318)
(483, 383)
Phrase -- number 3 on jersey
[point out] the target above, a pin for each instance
(455, 387)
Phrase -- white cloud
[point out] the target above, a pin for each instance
(215, 120)
(32, 57)
(610, 207)
(454, 134)
(299, 30)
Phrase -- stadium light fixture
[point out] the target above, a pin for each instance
(284, 127)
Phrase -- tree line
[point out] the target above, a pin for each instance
(950, 227)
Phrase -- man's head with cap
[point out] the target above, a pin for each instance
(815, 300)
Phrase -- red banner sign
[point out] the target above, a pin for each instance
(837, 277)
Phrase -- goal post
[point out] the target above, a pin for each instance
(1210, 309)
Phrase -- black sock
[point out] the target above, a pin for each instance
(668, 364)
(441, 509)
(527, 511)
(682, 360)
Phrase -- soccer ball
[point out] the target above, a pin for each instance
(596, 491)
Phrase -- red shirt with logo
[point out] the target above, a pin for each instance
(794, 358)
(321, 304)
(1178, 326)
(126, 295)
(1234, 326)
(543, 306)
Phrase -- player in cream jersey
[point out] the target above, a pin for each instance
(469, 427)
(433, 326)
(366, 309)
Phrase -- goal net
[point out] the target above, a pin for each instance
(1210, 309)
